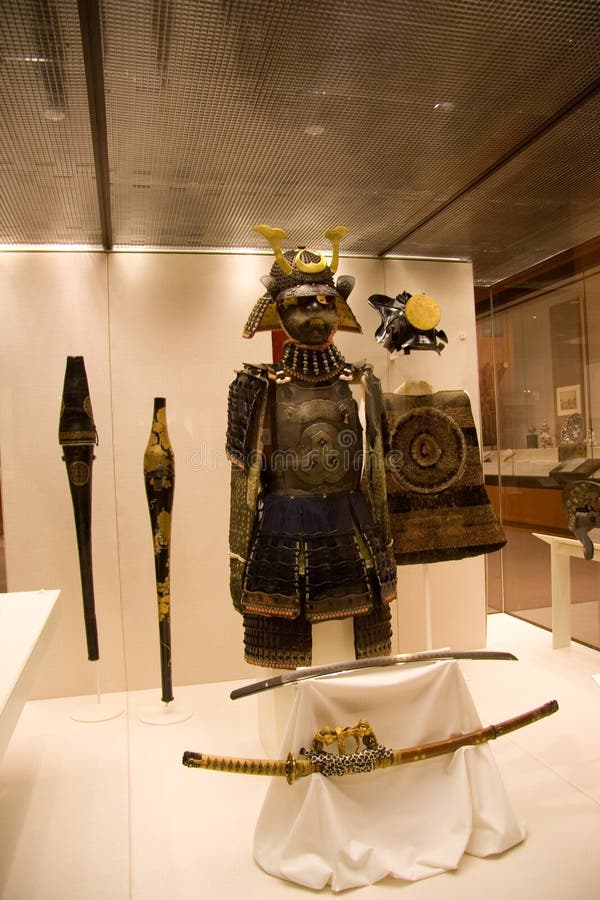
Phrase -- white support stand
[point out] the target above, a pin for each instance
(411, 823)
(561, 551)
(333, 641)
(97, 709)
(415, 388)
(160, 713)
(427, 601)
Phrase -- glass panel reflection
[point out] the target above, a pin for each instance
(539, 369)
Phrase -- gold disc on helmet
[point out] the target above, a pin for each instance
(422, 312)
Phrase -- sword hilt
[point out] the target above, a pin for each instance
(290, 768)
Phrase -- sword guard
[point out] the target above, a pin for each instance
(361, 732)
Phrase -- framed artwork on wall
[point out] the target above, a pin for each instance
(568, 400)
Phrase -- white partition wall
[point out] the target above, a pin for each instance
(54, 305)
(169, 325)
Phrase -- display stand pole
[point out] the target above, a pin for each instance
(418, 388)
(427, 599)
(100, 710)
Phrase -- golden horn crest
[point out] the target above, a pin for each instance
(274, 237)
(308, 265)
(335, 235)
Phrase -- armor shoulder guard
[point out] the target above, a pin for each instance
(355, 372)
(246, 394)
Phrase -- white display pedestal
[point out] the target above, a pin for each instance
(561, 550)
(26, 622)
(333, 641)
(408, 823)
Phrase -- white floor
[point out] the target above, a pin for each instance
(106, 810)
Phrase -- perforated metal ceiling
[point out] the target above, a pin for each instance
(457, 128)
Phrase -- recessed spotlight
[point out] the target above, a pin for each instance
(54, 115)
(444, 104)
(314, 130)
(32, 59)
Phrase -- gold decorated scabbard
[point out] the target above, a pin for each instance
(78, 437)
(159, 479)
(368, 754)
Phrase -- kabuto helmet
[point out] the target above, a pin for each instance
(408, 322)
(301, 273)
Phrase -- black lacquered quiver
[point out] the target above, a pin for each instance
(159, 478)
(78, 436)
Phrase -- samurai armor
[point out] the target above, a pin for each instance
(438, 505)
(324, 539)
(281, 643)
(306, 545)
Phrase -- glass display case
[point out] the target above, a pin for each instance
(539, 352)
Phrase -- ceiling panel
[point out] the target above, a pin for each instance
(404, 121)
(47, 176)
(541, 202)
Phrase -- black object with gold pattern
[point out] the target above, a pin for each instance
(159, 480)
(77, 436)
(408, 322)
(297, 274)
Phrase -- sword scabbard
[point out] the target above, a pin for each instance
(372, 757)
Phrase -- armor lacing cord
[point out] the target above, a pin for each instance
(310, 364)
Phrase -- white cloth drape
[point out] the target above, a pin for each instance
(409, 822)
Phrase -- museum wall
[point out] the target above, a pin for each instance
(55, 305)
(169, 325)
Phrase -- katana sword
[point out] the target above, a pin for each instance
(352, 665)
(372, 756)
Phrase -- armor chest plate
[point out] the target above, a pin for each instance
(316, 439)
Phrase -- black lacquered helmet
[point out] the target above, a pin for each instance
(408, 322)
(301, 273)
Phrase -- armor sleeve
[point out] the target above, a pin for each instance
(245, 413)
(246, 394)
(375, 461)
